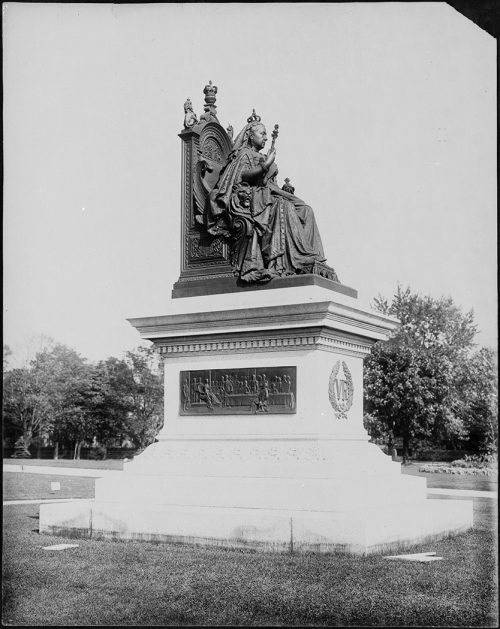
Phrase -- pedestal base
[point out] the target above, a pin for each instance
(361, 531)
(263, 444)
(309, 496)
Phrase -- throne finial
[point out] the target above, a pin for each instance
(210, 92)
(209, 107)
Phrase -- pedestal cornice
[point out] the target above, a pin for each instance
(325, 325)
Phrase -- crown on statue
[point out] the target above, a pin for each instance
(254, 117)
(210, 91)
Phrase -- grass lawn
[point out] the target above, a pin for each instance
(21, 486)
(129, 583)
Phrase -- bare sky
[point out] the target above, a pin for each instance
(387, 117)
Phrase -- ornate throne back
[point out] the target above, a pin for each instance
(206, 146)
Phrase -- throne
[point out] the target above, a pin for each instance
(206, 259)
(205, 148)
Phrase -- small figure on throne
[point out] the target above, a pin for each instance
(287, 186)
(190, 118)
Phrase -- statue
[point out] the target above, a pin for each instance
(287, 186)
(273, 232)
(236, 220)
(190, 118)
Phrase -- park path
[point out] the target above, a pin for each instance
(100, 473)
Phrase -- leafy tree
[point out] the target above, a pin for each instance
(128, 398)
(478, 387)
(65, 378)
(59, 395)
(413, 382)
(112, 383)
(25, 404)
(146, 396)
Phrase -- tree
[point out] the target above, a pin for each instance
(25, 407)
(128, 398)
(112, 384)
(58, 395)
(478, 386)
(146, 396)
(413, 381)
(63, 378)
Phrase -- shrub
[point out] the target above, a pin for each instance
(459, 467)
(98, 453)
(460, 463)
(429, 453)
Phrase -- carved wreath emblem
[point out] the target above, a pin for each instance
(341, 390)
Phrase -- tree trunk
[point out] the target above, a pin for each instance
(56, 450)
(28, 436)
(20, 449)
(391, 450)
(406, 448)
(75, 450)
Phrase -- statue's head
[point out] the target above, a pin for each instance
(256, 131)
(253, 134)
(257, 136)
(188, 106)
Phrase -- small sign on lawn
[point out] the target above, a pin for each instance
(55, 486)
(60, 546)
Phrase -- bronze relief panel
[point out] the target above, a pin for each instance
(247, 391)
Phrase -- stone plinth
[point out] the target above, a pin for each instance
(234, 473)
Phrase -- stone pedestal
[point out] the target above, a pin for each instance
(269, 476)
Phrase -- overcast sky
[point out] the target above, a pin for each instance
(387, 117)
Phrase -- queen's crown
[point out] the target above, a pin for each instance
(254, 117)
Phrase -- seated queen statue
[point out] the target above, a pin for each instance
(273, 232)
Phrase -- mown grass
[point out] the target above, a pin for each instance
(23, 486)
(129, 583)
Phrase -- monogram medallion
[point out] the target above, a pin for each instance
(341, 389)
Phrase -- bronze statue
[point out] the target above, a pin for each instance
(236, 220)
(273, 232)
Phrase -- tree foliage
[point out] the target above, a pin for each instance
(129, 397)
(426, 382)
(25, 405)
(59, 396)
(146, 396)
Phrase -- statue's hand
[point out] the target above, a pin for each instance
(269, 159)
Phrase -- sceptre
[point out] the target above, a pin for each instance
(274, 135)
